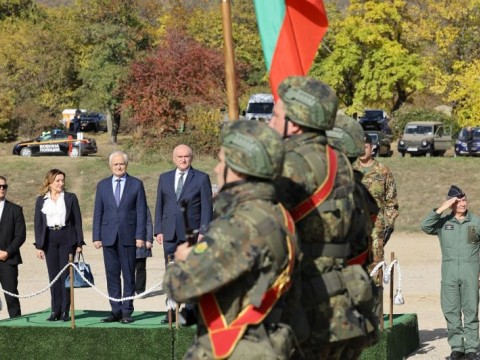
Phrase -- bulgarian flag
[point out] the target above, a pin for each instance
(291, 32)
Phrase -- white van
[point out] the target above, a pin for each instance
(260, 108)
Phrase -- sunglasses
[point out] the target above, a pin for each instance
(4, 186)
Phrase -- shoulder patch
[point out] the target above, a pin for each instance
(200, 248)
(448, 227)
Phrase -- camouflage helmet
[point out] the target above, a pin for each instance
(347, 136)
(253, 148)
(309, 102)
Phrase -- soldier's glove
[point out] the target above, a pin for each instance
(386, 234)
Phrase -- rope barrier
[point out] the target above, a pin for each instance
(387, 270)
(160, 284)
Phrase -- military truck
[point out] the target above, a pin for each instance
(429, 138)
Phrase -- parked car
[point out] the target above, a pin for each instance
(461, 145)
(381, 145)
(375, 120)
(91, 122)
(429, 138)
(259, 107)
(56, 142)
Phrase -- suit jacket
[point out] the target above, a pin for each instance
(73, 221)
(197, 190)
(128, 220)
(12, 232)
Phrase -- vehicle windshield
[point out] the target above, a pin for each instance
(419, 129)
(476, 133)
(46, 135)
(373, 114)
(260, 108)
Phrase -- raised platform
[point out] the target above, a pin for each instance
(396, 342)
(32, 337)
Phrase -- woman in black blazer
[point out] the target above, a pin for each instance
(58, 233)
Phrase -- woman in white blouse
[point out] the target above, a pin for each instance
(58, 233)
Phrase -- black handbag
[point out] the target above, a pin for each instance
(84, 268)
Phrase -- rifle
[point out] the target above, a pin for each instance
(190, 234)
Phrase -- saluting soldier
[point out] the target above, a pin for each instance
(459, 235)
(317, 186)
(237, 273)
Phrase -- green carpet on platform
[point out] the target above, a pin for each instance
(396, 342)
(31, 337)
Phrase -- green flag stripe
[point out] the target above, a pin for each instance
(270, 16)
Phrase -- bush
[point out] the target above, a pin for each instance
(404, 116)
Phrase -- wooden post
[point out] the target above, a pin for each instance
(72, 296)
(229, 61)
(392, 278)
(177, 315)
(380, 288)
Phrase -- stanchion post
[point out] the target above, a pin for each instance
(392, 278)
(177, 315)
(72, 295)
(380, 288)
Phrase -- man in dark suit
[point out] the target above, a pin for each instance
(182, 184)
(119, 227)
(175, 186)
(12, 236)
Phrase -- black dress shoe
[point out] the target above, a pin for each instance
(65, 316)
(111, 318)
(53, 317)
(165, 319)
(127, 320)
(456, 355)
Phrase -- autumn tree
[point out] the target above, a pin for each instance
(181, 73)
(449, 32)
(368, 59)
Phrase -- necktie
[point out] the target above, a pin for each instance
(179, 186)
(117, 192)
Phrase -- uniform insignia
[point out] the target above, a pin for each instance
(448, 227)
(200, 248)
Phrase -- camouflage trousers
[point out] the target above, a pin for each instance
(377, 252)
(350, 349)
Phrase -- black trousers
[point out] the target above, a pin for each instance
(56, 254)
(9, 281)
(140, 275)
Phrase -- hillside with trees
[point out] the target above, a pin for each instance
(156, 67)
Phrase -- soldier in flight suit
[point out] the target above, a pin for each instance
(459, 235)
(317, 187)
(242, 266)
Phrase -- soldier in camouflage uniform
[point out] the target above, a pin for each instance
(242, 267)
(317, 186)
(379, 180)
(347, 136)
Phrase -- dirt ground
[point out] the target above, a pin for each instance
(417, 254)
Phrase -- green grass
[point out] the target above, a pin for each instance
(422, 183)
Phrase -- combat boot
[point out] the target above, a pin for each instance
(457, 355)
(472, 356)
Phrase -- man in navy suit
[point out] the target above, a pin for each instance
(175, 186)
(119, 227)
(182, 184)
(12, 236)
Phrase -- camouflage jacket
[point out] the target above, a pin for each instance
(304, 170)
(379, 180)
(236, 259)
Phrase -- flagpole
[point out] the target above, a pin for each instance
(229, 62)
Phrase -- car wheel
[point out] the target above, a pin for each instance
(26, 152)
(403, 153)
(75, 152)
(430, 152)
